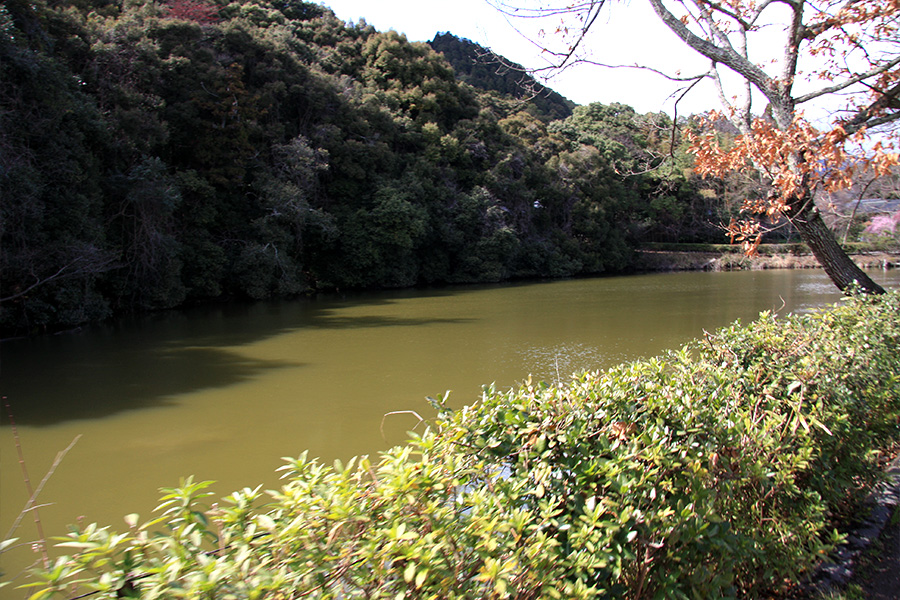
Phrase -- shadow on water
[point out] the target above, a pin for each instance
(103, 386)
(551, 330)
(148, 361)
(344, 322)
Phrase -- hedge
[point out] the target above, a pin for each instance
(718, 470)
(774, 249)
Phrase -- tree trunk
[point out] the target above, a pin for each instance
(825, 247)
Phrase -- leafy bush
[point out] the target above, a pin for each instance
(714, 471)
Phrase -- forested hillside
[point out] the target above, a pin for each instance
(155, 154)
(481, 68)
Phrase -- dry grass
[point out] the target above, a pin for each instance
(705, 261)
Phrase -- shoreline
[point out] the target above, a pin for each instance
(661, 260)
(646, 261)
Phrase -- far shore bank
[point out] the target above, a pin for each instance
(664, 260)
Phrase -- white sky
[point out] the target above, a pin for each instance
(632, 34)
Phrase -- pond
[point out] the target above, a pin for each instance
(223, 392)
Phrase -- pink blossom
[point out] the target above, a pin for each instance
(884, 224)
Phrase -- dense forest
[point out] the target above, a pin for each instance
(154, 154)
(481, 68)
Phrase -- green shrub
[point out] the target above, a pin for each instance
(715, 471)
(884, 244)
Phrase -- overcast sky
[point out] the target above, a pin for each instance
(631, 34)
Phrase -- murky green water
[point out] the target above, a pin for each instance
(222, 393)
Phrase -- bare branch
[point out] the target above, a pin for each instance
(82, 265)
(670, 77)
(859, 200)
(30, 504)
(714, 31)
(792, 48)
(58, 275)
(720, 90)
(876, 122)
(523, 12)
(675, 114)
(716, 7)
(591, 8)
(848, 82)
(727, 56)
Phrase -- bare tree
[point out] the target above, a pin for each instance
(842, 54)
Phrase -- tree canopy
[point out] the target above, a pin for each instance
(156, 154)
(162, 153)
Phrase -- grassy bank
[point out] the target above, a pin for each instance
(725, 257)
(720, 470)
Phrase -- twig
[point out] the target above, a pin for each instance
(709, 340)
(30, 505)
(37, 518)
(684, 93)
(399, 412)
(783, 304)
(856, 208)
(99, 267)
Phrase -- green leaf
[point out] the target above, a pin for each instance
(409, 572)
(45, 593)
(266, 522)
